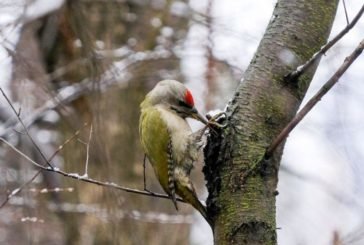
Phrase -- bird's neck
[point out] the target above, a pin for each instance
(173, 121)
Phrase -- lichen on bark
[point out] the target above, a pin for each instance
(241, 182)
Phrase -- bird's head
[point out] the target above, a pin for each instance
(175, 96)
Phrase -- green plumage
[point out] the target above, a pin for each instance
(156, 134)
(155, 137)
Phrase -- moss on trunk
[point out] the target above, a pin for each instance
(241, 183)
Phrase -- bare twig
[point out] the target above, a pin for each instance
(346, 12)
(25, 128)
(20, 188)
(67, 141)
(88, 152)
(85, 179)
(144, 176)
(315, 99)
(293, 76)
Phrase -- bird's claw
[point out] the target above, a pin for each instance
(213, 120)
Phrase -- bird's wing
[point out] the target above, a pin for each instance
(157, 145)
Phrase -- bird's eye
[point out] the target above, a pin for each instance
(184, 104)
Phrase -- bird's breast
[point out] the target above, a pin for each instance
(180, 132)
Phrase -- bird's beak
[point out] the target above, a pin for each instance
(196, 115)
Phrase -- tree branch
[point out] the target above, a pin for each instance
(84, 178)
(63, 96)
(346, 13)
(20, 188)
(315, 99)
(25, 128)
(293, 76)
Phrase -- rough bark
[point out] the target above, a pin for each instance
(241, 181)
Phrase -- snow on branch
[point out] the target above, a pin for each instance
(28, 182)
(51, 168)
(67, 95)
(83, 177)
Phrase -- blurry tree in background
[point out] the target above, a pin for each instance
(102, 56)
(79, 75)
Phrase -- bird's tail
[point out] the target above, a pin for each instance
(188, 194)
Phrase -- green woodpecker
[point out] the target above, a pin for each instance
(168, 141)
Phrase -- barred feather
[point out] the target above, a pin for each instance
(161, 122)
(171, 179)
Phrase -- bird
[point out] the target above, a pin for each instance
(168, 141)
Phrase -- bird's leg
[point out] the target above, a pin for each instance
(213, 121)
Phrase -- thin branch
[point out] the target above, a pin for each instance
(25, 128)
(67, 141)
(144, 177)
(61, 98)
(85, 179)
(88, 152)
(346, 12)
(293, 76)
(20, 188)
(315, 99)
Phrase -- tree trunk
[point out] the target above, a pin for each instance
(241, 181)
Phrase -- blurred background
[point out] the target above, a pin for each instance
(69, 66)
